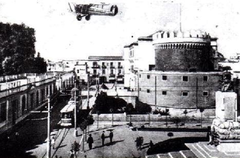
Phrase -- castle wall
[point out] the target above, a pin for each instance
(179, 89)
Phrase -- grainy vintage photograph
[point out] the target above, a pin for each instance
(119, 79)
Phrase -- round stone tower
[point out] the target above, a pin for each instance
(183, 51)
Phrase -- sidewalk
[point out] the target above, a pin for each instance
(123, 142)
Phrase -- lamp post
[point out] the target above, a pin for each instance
(75, 113)
(48, 130)
(88, 90)
(111, 110)
(149, 118)
(74, 94)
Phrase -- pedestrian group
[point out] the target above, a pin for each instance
(90, 140)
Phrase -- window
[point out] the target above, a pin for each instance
(111, 71)
(164, 77)
(3, 108)
(164, 92)
(148, 76)
(94, 72)
(77, 71)
(103, 71)
(148, 90)
(131, 53)
(205, 78)
(184, 93)
(119, 71)
(185, 78)
(205, 93)
(94, 63)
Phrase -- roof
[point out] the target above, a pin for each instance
(132, 44)
(105, 58)
(69, 107)
(145, 38)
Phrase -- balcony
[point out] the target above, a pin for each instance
(112, 76)
(120, 76)
(95, 66)
(104, 66)
(95, 75)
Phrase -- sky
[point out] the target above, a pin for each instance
(60, 36)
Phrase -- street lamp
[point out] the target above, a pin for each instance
(111, 110)
(149, 118)
(74, 94)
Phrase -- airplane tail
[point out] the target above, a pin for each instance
(71, 6)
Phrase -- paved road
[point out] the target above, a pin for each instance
(123, 142)
(29, 133)
(30, 142)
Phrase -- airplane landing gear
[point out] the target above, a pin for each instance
(79, 17)
(87, 17)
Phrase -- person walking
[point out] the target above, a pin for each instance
(90, 141)
(111, 136)
(103, 138)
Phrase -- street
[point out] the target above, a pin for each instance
(29, 133)
(28, 139)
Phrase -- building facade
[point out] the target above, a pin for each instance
(179, 89)
(138, 56)
(20, 94)
(94, 69)
(106, 68)
(183, 51)
(183, 75)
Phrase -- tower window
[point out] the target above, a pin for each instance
(185, 78)
(164, 77)
(164, 92)
(205, 93)
(148, 76)
(205, 78)
(184, 93)
(148, 90)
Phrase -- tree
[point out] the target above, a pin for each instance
(165, 113)
(129, 108)
(17, 50)
(104, 103)
(176, 120)
(142, 108)
(185, 112)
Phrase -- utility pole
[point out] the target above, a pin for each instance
(48, 129)
(138, 84)
(75, 112)
(88, 89)
(111, 110)
(197, 92)
(155, 92)
(180, 17)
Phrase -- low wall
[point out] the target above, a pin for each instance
(208, 114)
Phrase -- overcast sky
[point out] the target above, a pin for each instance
(60, 36)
